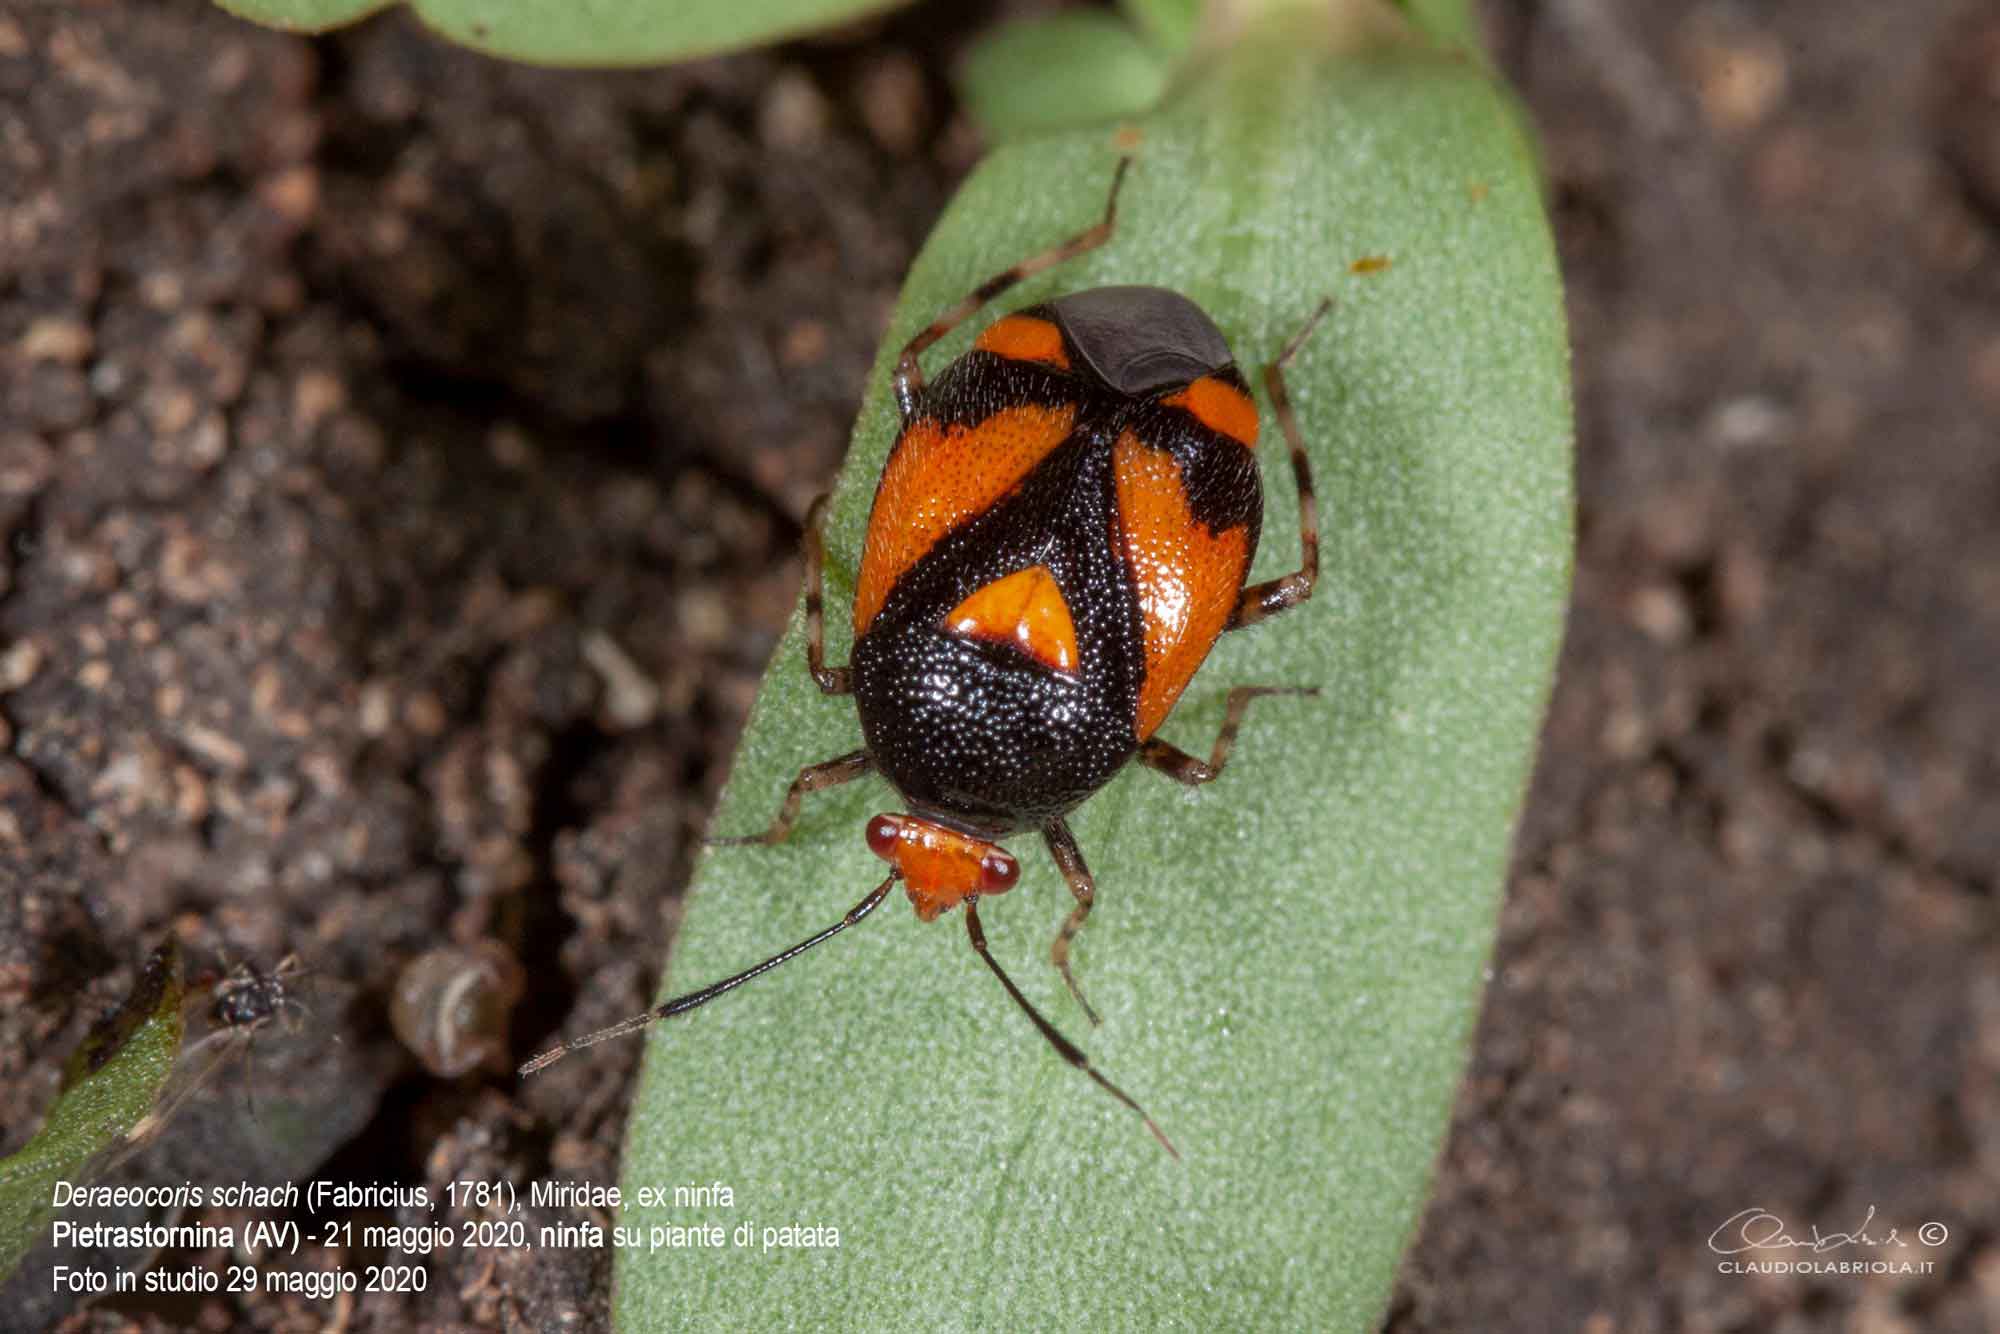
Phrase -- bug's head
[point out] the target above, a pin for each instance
(939, 866)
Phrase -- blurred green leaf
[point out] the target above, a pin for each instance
(110, 1085)
(583, 32)
(1169, 25)
(1289, 961)
(303, 15)
(1448, 22)
(1065, 70)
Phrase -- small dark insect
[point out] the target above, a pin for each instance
(232, 1008)
(241, 1003)
(246, 997)
(1063, 530)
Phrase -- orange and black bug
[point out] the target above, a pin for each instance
(1062, 531)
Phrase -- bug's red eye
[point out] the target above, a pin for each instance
(997, 871)
(884, 833)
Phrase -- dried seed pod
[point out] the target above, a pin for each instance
(452, 1005)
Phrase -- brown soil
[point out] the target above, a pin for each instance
(376, 420)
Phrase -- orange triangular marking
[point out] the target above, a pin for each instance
(1025, 609)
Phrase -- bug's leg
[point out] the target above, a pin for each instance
(910, 376)
(1276, 595)
(812, 778)
(1069, 860)
(1182, 767)
(832, 680)
(1066, 1049)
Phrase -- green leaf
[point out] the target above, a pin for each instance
(1169, 25)
(303, 15)
(1448, 22)
(1065, 70)
(1289, 960)
(582, 32)
(111, 1083)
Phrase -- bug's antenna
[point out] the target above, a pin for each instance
(1068, 1050)
(1305, 331)
(682, 1004)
